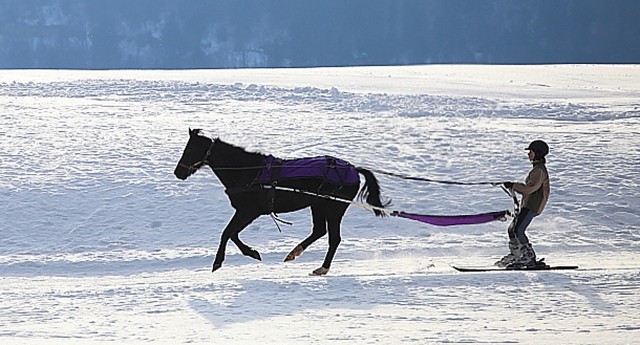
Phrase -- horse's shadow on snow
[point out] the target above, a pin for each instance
(275, 297)
(262, 299)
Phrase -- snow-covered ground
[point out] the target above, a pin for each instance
(100, 242)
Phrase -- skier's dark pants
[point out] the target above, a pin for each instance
(519, 225)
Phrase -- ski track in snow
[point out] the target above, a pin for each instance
(102, 243)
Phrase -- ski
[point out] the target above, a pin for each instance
(539, 266)
(531, 268)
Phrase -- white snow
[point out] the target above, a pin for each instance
(100, 242)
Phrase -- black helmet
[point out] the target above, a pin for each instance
(539, 147)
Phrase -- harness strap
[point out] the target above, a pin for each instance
(277, 219)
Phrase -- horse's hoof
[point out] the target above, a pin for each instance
(320, 271)
(215, 267)
(297, 251)
(255, 255)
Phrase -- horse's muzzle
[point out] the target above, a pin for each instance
(181, 173)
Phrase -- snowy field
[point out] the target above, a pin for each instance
(101, 243)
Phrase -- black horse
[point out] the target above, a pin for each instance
(257, 184)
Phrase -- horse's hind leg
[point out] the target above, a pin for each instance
(238, 222)
(319, 230)
(334, 218)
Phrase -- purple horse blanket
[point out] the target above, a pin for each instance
(331, 169)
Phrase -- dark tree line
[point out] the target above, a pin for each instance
(297, 33)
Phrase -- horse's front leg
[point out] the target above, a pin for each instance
(245, 249)
(238, 222)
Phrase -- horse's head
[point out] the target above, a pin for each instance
(195, 155)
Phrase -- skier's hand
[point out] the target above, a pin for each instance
(508, 185)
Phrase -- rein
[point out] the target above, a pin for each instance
(405, 177)
(512, 195)
(413, 178)
(509, 192)
(425, 218)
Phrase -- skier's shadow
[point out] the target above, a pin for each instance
(565, 282)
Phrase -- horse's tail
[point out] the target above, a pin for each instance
(371, 192)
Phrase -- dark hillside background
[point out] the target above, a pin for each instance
(97, 34)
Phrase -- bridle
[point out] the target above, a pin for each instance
(197, 165)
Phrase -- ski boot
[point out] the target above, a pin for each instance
(527, 257)
(514, 254)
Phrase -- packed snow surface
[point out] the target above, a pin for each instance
(100, 241)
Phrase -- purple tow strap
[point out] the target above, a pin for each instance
(453, 220)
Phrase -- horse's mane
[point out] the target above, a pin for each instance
(237, 151)
(230, 154)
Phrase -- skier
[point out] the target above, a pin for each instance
(535, 194)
